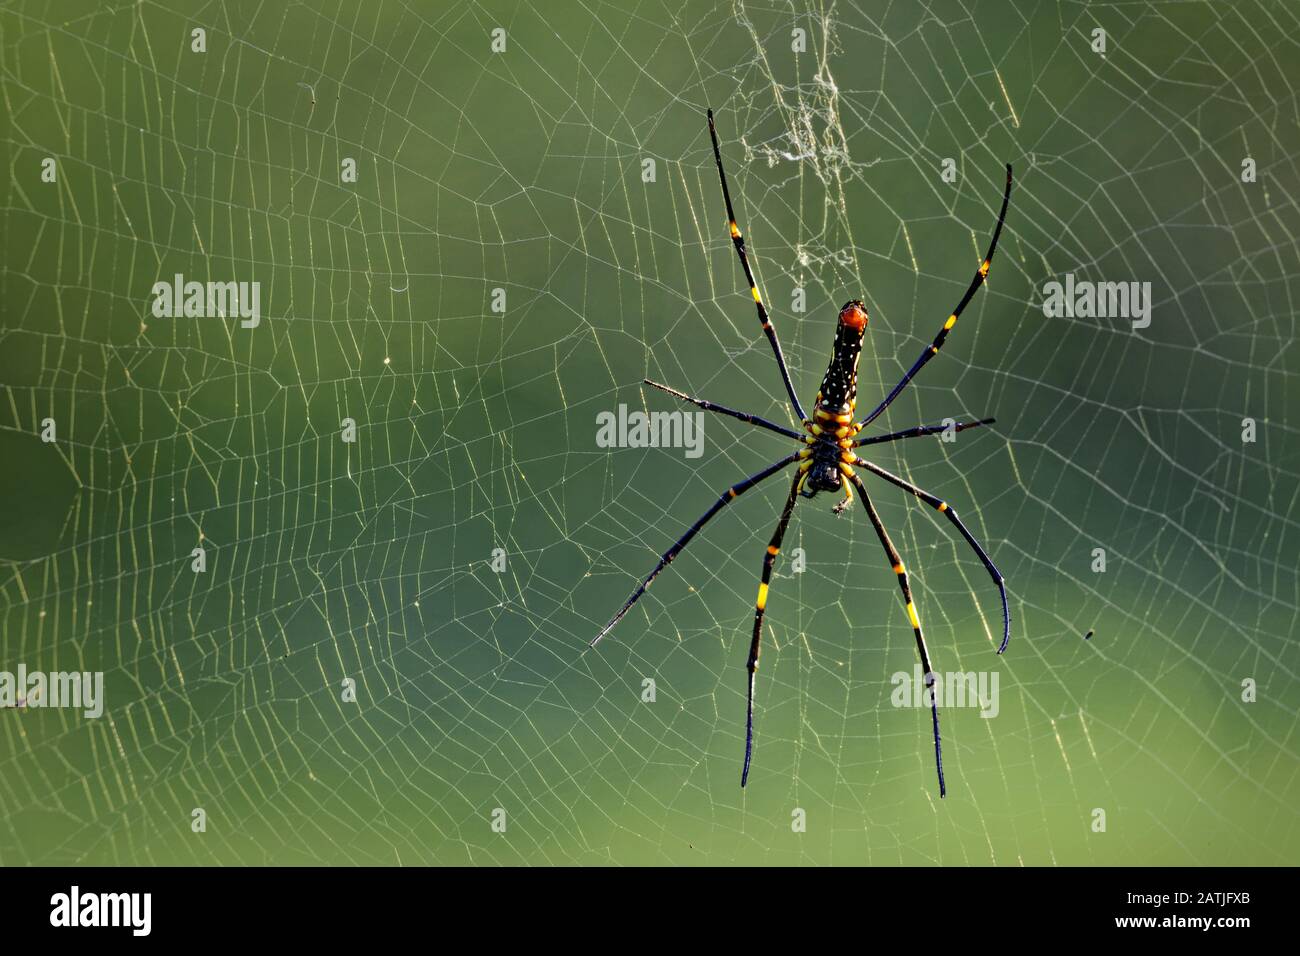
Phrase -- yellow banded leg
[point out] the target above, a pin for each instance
(738, 240)
(931, 350)
(896, 562)
(760, 606)
(724, 499)
(943, 508)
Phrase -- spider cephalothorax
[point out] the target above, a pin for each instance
(822, 476)
(827, 457)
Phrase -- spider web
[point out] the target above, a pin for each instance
(522, 170)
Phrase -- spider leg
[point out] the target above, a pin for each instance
(760, 604)
(842, 506)
(739, 242)
(918, 431)
(897, 562)
(932, 349)
(723, 500)
(942, 506)
(723, 410)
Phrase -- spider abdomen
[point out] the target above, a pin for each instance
(839, 391)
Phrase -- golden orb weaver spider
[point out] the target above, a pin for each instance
(827, 458)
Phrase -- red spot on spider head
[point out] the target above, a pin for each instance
(854, 315)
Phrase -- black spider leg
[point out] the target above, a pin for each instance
(897, 562)
(739, 242)
(932, 349)
(942, 506)
(760, 604)
(723, 410)
(920, 430)
(723, 500)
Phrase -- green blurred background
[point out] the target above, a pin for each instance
(522, 170)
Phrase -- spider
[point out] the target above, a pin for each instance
(826, 459)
